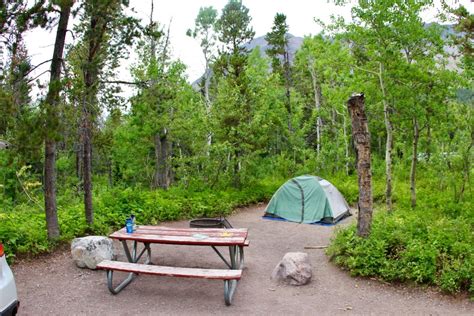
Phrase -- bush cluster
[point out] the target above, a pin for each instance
(23, 229)
(430, 244)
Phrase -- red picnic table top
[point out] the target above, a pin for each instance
(185, 236)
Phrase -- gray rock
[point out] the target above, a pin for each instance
(293, 269)
(88, 251)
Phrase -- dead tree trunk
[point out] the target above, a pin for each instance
(361, 137)
(51, 101)
(414, 160)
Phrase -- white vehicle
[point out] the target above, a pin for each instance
(8, 298)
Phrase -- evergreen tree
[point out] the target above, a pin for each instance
(278, 39)
(234, 30)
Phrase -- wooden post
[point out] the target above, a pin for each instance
(361, 137)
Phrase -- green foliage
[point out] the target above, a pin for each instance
(233, 26)
(429, 245)
(23, 229)
(277, 39)
(233, 31)
(203, 29)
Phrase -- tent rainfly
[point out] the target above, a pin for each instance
(308, 199)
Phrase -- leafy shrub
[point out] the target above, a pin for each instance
(426, 246)
(23, 229)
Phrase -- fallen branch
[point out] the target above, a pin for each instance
(315, 247)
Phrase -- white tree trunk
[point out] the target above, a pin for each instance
(207, 81)
(389, 143)
(346, 144)
(414, 160)
(317, 104)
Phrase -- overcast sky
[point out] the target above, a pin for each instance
(182, 13)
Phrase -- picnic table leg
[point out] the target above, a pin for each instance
(240, 257)
(237, 262)
(146, 247)
(236, 254)
(236, 257)
(233, 258)
(148, 253)
(122, 285)
(221, 256)
(133, 257)
(130, 257)
(229, 289)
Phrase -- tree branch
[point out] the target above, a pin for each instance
(38, 76)
(366, 70)
(35, 67)
(126, 82)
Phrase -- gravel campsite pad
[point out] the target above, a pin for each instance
(53, 285)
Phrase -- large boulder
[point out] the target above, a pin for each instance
(88, 251)
(293, 269)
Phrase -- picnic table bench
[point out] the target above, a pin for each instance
(235, 239)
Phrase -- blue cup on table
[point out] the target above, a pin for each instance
(129, 225)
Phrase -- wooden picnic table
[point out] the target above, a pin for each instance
(233, 238)
(185, 236)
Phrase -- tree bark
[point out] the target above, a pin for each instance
(162, 177)
(414, 160)
(237, 183)
(51, 102)
(428, 138)
(79, 154)
(361, 137)
(87, 161)
(286, 58)
(95, 37)
(466, 163)
(207, 83)
(346, 145)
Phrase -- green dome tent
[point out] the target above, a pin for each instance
(308, 199)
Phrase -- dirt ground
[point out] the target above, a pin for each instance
(53, 285)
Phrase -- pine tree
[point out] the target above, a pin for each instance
(278, 39)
